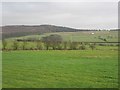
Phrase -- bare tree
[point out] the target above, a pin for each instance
(53, 41)
(82, 46)
(4, 44)
(15, 45)
(39, 45)
(24, 45)
(73, 45)
(65, 45)
(92, 46)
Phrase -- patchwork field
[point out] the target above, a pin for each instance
(34, 68)
(86, 36)
(61, 68)
(98, 36)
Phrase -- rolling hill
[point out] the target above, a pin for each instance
(25, 30)
(22, 30)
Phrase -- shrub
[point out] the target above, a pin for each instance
(92, 46)
(82, 46)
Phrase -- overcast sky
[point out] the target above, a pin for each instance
(91, 15)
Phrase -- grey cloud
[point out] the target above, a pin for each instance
(73, 14)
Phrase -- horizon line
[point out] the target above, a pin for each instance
(56, 25)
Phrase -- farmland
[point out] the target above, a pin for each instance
(84, 36)
(65, 68)
(59, 45)
(60, 69)
(98, 36)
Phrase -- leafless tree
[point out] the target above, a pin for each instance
(4, 44)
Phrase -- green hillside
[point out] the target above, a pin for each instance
(84, 36)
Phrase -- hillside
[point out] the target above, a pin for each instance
(22, 30)
(25, 30)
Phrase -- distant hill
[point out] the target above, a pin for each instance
(23, 30)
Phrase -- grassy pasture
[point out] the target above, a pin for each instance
(111, 36)
(60, 69)
(0, 70)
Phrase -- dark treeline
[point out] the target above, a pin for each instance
(39, 45)
(52, 42)
(64, 45)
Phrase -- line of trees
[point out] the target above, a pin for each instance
(52, 42)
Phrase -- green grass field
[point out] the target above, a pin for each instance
(80, 36)
(0, 70)
(60, 69)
